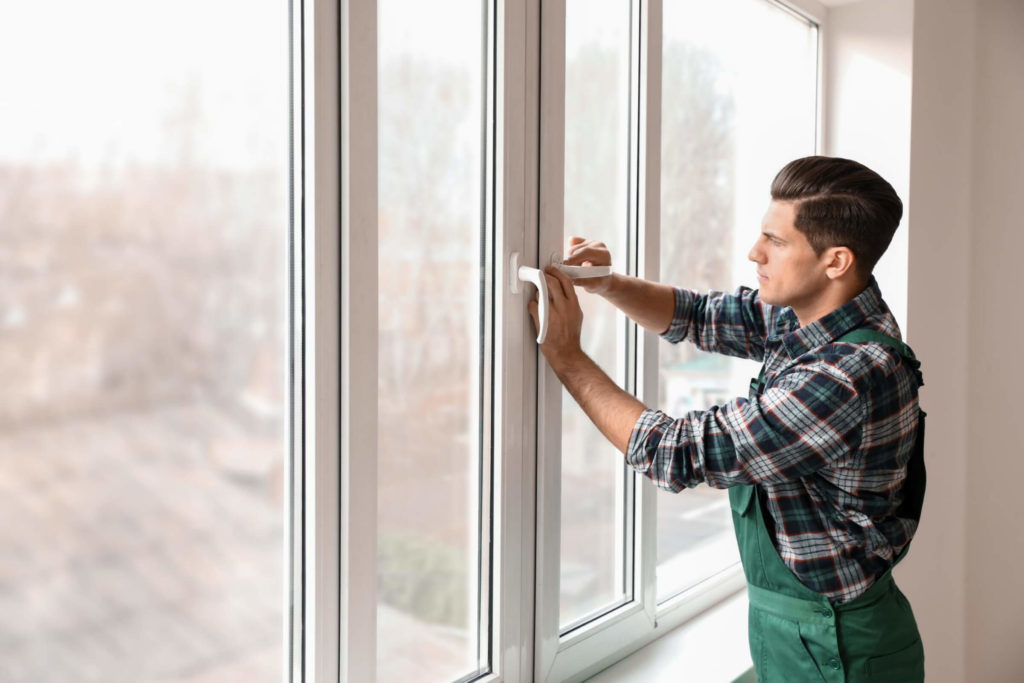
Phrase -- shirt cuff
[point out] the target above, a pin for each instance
(644, 440)
(681, 315)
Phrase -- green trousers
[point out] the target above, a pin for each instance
(797, 635)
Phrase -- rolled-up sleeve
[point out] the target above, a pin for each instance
(731, 324)
(682, 315)
(807, 419)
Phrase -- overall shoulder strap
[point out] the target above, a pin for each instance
(860, 337)
(917, 477)
(863, 336)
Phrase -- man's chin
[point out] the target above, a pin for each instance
(774, 300)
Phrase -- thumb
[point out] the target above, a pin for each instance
(574, 240)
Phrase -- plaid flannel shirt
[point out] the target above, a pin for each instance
(827, 441)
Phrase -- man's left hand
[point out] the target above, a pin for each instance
(565, 319)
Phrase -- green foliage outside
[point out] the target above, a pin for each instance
(424, 578)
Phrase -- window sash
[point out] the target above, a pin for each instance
(593, 644)
(341, 628)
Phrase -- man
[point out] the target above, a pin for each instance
(823, 458)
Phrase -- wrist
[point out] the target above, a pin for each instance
(564, 361)
(612, 286)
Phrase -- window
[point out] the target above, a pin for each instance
(507, 535)
(272, 400)
(144, 323)
(595, 574)
(434, 448)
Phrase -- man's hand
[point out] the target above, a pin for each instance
(565, 320)
(609, 407)
(584, 252)
(649, 304)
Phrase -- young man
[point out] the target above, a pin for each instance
(822, 459)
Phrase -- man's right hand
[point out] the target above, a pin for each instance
(584, 252)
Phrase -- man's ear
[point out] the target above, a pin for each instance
(838, 262)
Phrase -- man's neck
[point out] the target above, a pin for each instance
(835, 296)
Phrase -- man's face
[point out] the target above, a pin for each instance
(789, 273)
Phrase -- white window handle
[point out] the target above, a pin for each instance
(580, 272)
(517, 274)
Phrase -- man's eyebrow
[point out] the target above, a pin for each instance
(771, 235)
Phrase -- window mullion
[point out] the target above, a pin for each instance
(551, 213)
(356, 660)
(648, 267)
(515, 155)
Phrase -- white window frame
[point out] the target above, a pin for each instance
(343, 54)
(340, 626)
(515, 103)
(609, 638)
(594, 645)
(334, 477)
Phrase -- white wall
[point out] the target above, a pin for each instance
(995, 453)
(934, 576)
(964, 574)
(867, 98)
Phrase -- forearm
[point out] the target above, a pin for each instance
(611, 409)
(649, 304)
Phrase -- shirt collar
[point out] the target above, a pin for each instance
(830, 327)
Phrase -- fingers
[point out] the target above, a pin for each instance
(559, 284)
(588, 253)
(561, 290)
(569, 287)
(564, 310)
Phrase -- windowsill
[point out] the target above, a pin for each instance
(711, 648)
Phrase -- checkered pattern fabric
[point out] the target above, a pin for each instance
(828, 440)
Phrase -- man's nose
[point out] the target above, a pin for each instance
(755, 254)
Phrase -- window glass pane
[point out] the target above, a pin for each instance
(433, 448)
(739, 101)
(597, 54)
(144, 193)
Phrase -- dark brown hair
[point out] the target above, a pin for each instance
(841, 203)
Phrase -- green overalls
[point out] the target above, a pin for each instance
(796, 634)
